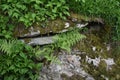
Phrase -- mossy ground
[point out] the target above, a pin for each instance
(98, 41)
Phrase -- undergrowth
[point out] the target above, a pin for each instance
(109, 10)
(17, 61)
(30, 11)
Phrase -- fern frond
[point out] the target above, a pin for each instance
(6, 45)
(68, 39)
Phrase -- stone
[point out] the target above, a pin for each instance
(41, 41)
(89, 78)
(67, 25)
(95, 61)
(81, 25)
(69, 66)
(109, 63)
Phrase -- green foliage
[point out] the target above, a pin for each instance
(79, 0)
(30, 11)
(68, 39)
(99, 8)
(16, 61)
(47, 53)
(109, 10)
(62, 41)
(5, 27)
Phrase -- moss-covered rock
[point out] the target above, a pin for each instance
(53, 26)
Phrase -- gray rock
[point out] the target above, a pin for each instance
(70, 66)
(89, 78)
(41, 41)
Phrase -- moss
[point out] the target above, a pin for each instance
(79, 17)
(90, 42)
(27, 40)
(74, 77)
(20, 30)
(54, 26)
(98, 41)
(85, 18)
(114, 72)
(96, 72)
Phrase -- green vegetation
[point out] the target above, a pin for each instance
(21, 12)
(6, 28)
(27, 12)
(107, 9)
(30, 11)
(68, 39)
(23, 62)
(17, 61)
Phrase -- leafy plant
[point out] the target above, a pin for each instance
(6, 28)
(108, 10)
(30, 11)
(47, 53)
(17, 61)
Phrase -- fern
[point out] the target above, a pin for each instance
(47, 53)
(16, 62)
(5, 46)
(68, 39)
